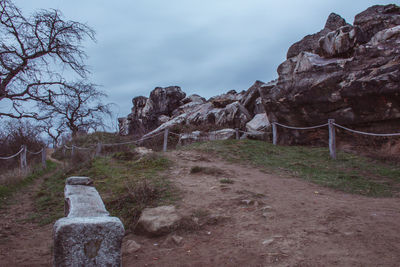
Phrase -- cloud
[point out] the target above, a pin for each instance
(204, 46)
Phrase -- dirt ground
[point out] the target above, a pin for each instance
(263, 220)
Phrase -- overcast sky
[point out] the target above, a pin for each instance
(204, 46)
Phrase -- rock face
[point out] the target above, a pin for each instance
(148, 113)
(344, 72)
(168, 107)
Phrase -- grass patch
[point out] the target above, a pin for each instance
(226, 181)
(126, 187)
(206, 170)
(349, 173)
(8, 189)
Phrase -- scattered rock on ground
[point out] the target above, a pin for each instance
(158, 221)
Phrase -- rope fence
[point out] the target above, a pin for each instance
(215, 135)
(332, 133)
(23, 152)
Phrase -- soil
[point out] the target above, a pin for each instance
(261, 219)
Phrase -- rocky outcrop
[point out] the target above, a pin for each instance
(163, 110)
(348, 73)
(310, 42)
(148, 113)
(345, 72)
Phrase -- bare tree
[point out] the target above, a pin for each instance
(33, 51)
(54, 128)
(79, 106)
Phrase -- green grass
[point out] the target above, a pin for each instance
(126, 187)
(349, 173)
(226, 181)
(206, 170)
(7, 190)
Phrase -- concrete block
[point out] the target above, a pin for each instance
(93, 241)
(87, 236)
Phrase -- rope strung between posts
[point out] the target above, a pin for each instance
(301, 128)
(35, 153)
(134, 141)
(13, 156)
(365, 133)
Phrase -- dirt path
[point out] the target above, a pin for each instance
(272, 221)
(259, 220)
(23, 242)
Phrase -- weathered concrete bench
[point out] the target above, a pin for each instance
(87, 236)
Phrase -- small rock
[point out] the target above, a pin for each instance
(247, 201)
(131, 246)
(265, 215)
(177, 239)
(266, 208)
(268, 241)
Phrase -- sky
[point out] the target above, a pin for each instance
(206, 47)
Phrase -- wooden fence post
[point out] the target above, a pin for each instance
(98, 149)
(332, 138)
(237, 133)
(44, 158)
(165, 145)
(274, 134)
(23, 158)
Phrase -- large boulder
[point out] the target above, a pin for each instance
(354, 80)
(148, 113)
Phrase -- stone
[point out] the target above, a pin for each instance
(123, 125)
(310, 42)
(87, 236)
(268, 241)
(249, 100)
(258, 123)
(377, 18)
(83, 201)
(131, 246)
(223, 134)
(88, 241)
(143, 151)
(223, 100)
(79, 180)
(177, 239)
(163, 119)
(355, 68)
(158, 221)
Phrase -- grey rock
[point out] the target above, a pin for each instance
(88, 241)
(376, 19)
(87, 236)
(223, 134)
(79, 180)
(131, 246)
(358, 69)
(258, 123)
(177, 239)
(268, 241)
(310, 42)
(158, 221)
